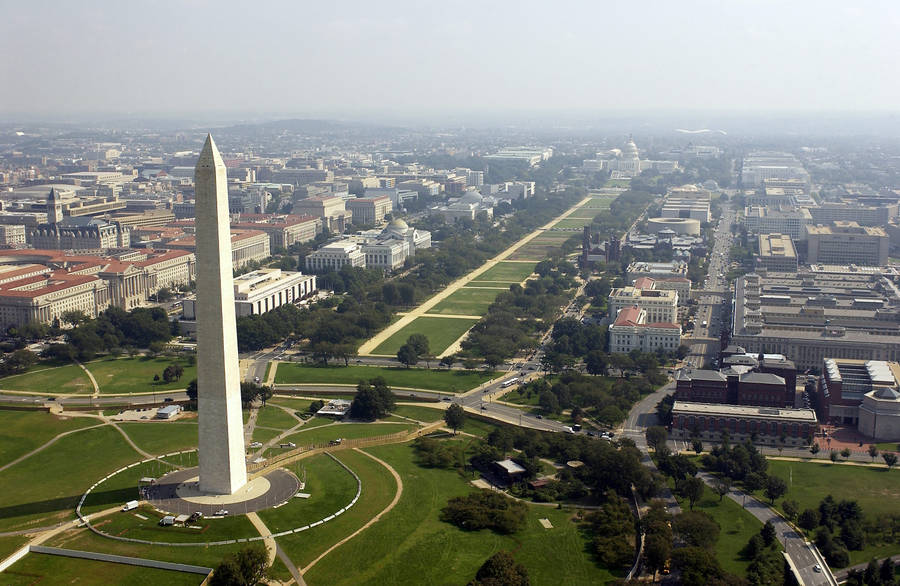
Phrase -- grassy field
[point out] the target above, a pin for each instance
(507, 272)
(326, 433)
(541, 246)
(23, 431)
(53, 569)
(876, 490)
(128, 524)
(412, 546)
(301, 405)
(440, 331)
(466, 301)
(42, 378)
(736, 527)
(617, 183)
(420, 378)
(426, 414)
(10, 544)
(331, 488)
(162, 437)
(263, 434)
(85, 540)
(44, 489)
(270, 416)
(572, 223)
(135, 375)
(378, 489)
(599, 202)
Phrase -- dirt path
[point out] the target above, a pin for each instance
(371, 521)
(377, 339)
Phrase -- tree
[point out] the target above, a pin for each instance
(721, 487)
(501, 569)
(886, 572)
(696, 528)
(455, 417)
(890, 459)
(697, 444)
(845, 453)
(657, 550)
(692, 489)
(419, 343)
(373, 400)
(814, 449)
(791, 508)
(873, 451)
(548, 402)
(754, 481)
(247, 567)
(768, 533)
(834, 456)
(776, 487)
(809, 519)
(74, 317)
(448, 361)
(407, 355)
(192, 390)
(656, 437)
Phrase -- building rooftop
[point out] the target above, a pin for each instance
(776, 245)
(717, 409)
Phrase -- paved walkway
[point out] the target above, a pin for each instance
(90, 376)
(268, 540)
(371, 521)
(425, 306)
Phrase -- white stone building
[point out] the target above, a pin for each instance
(660, 305)
(334, 256)
(631, 331)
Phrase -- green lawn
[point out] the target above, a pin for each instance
(57, 570)
(508, 272)
(135, 375)
(162, 437)
(326, 433)
(23, 431)
(617, 183)
(876, 490)
(301, 405)
(85, 540)
(572, 223)
(270, 416)
(440, 331)
(128, 524)
(44, 490)
(42, 378)
(736, 527)
(412, 546)
(262, 434)
(331, 488)
(419, 378)
(426, 414)
(378, 489)
(10, 544)
(466, 301)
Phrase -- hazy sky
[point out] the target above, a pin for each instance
(309, 58)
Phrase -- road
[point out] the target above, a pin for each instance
(708, 323)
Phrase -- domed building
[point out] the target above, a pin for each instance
(627, 164)
(879, 414)
(397, 229)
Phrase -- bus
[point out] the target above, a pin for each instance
(509, 383)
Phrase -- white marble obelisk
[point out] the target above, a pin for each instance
(222, 466)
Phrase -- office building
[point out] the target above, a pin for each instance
(808, 316)
(851, 211)
(331, 210)
(261, 291)
(845, 243)
(764, 425)
(333, 256)
(687, 201)
(246, 246)
(632, 331)
(284, 230)
(370, 210)
(776, 253)
(788, 220)
(12, 234)
(661, 306)
(864, 393)
(759, 166)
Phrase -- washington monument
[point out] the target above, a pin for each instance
(221, 444)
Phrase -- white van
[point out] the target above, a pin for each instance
(130, 506)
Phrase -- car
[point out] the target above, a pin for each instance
(168, 400)
(817, 568)
(446, 399)
(484, 407)
(256, 444)
(256, 379)
(222, 512)
(539, 416)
